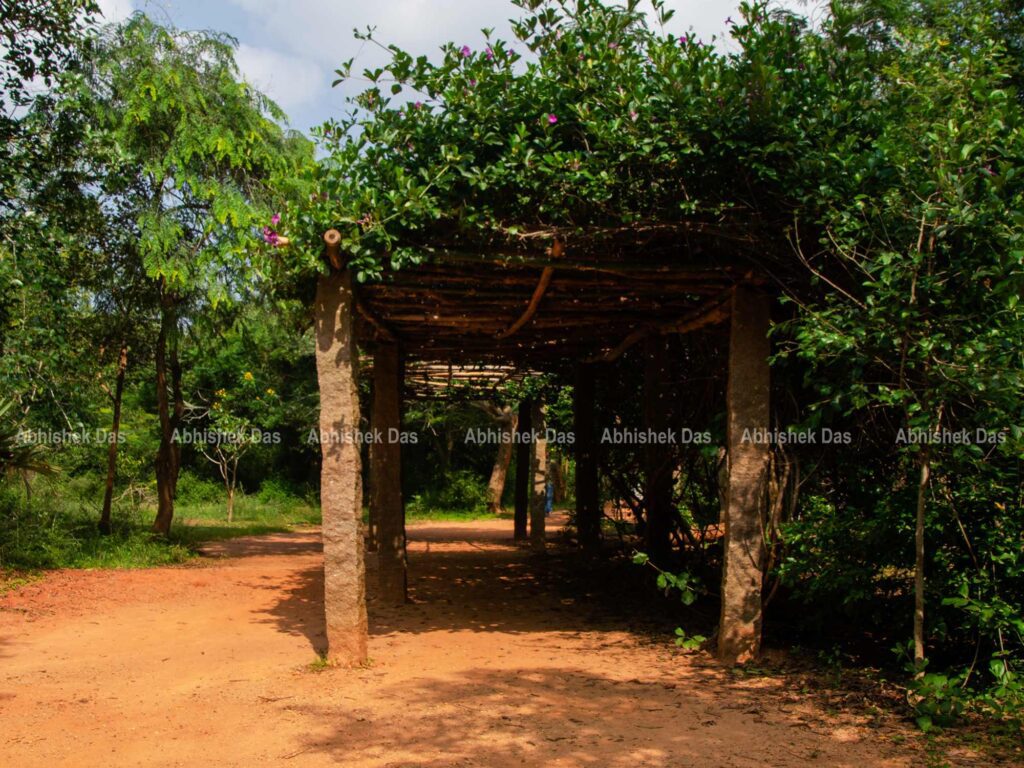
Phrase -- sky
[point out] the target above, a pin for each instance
(289, 49)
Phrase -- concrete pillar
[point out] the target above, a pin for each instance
(657, 457)
(341, 491)
(539, 473)
(739, 638)
(524, 427)
(386, 504)
(588, 504)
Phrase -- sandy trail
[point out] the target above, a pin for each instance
(210, 665)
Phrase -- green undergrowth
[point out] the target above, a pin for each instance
(57, 528)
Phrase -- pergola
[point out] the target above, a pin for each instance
(551, 300)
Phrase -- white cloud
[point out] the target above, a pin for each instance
(116, 10)
(291, 81)
(309, 39)
(322, 29)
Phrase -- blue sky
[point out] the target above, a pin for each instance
(289, 49)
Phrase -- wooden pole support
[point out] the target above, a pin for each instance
(739, 632)
(341, 486)
(386, 502)
(539, 473)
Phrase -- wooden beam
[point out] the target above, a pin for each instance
(531, 308)
(332, 239)
(710, 313)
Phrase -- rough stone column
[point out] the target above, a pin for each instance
(524, 427)
(386, 504)
(341, 488)
(739, 638)
(657, 456)
(588, 505)
(539, 467)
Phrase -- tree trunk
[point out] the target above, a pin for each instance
(539, 466)
(588, 509)
(341, 488)
(386, 504)
(496, 485)
(657, 457)
(523, 451)
(922, 495)
(739, 633)
(115, 431)
(167, 453)
(231, 503)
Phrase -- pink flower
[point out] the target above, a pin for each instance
(683, 40)
(270, 237)
(466, 52)
(275, 219)
(552, 119)
(490, 53)
(634, 115)
(613, 46)
(418, 105)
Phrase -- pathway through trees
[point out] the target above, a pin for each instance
(494, 664)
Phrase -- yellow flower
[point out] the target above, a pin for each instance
(221, 392)
(247, 376)
(270, 391)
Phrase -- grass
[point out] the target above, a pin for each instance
(59, 529)
(61, 532)
(418, 513)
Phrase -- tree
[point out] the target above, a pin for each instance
(238, 419)
(187, 151)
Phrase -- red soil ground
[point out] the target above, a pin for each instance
(211, 665)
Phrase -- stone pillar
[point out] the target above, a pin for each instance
(341, 487)
(539, 473)
(739, 633)
(386, 505)
(588, 503)
(524, 428)
(657, 456)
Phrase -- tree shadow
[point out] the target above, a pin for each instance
(457, 583)
(286, 543)
(564, 715)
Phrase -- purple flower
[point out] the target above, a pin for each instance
(552, 119)
(613, 46)
(472, 83)
(275, 219)
(270, 237)
(490, 53)
(418, 105)
(684, 40)
(466, 51)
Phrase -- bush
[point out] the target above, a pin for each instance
(279, 492)
(460, 491)
(193, 489)
(53, 531)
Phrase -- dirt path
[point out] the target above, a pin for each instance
(210, 665)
